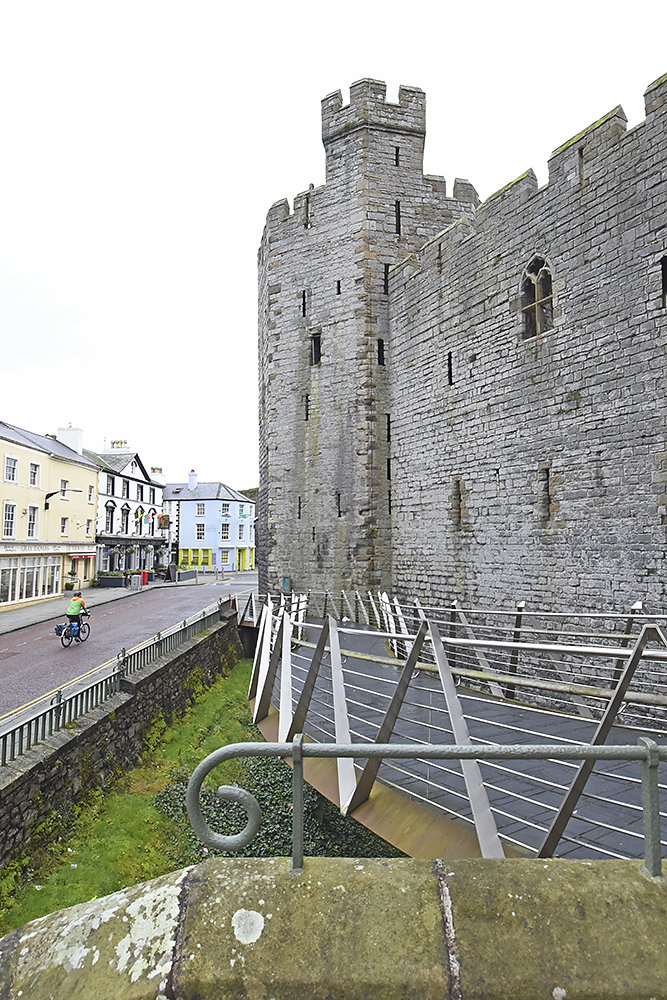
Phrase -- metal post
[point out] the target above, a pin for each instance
(452, 635)
(510, 690)
(562, 817)
(651, 808)
(297, 803)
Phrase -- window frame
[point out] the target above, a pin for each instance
(33, 522)
(34, 468)
(8, 519)
(200, 532)
(537, 309)
(15, 469)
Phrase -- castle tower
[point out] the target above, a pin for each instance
(325, 351)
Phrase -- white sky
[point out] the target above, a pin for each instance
(142, 142)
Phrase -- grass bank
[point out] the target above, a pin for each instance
(139, 830)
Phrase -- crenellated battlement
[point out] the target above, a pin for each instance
(368, 107)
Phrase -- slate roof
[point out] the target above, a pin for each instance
(43, 442)
(117, 461)
(203, 491)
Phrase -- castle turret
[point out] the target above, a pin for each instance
(325, 276)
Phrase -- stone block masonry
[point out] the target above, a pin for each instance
(46, 782)
(461, 400)
(349, 928)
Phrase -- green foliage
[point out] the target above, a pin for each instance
(155, 733)
(326, 832)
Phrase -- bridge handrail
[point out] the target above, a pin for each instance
(647, 751)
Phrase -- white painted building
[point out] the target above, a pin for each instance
(132, 531)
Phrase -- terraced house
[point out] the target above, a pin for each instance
(49, 502)
(213, 526)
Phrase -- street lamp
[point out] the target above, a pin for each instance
(49, 495)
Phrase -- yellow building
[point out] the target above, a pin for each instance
(48, 504)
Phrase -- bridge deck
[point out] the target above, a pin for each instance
(523, 795)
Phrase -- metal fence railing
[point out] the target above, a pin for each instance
(63, 709)
(647, 752)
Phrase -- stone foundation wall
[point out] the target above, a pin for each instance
(39, 788)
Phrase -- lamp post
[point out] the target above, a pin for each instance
(55, 492)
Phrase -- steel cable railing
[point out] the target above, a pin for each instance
(483, 665)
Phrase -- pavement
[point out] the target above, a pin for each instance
(14, 619)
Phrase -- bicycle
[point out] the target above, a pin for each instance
(69, 631)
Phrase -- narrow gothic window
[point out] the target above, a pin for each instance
(338, 288)
(386, 279)
(303, 303)
(663, 264)
(298, 514)
(397, 211)
(397, 154)
(450, 368)
(380, 351)
(536, 298)
(307, 406)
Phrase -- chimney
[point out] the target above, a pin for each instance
(72, 437)
(192, 479)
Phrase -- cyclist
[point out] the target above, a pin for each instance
(76, 606)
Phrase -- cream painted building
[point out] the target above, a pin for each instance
(48, 504)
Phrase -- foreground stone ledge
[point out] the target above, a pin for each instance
(346, 928)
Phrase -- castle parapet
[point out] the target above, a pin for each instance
(368, 107)
(655, 96)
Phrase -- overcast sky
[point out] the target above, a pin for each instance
(142, 142)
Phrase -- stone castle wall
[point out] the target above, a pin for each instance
(476, 462)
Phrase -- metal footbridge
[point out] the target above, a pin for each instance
(501, 686)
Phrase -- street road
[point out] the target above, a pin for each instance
(34, 664)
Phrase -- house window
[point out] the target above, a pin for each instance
(32, 522)
(64, 486)
(110, 486)
(125, 488)
(241, 526)
(224, 557)
(140, 492)
(241, 510)
(315, 348)
(139, 521)
(224, 530)
(34, 474)
(536, 298)
(91, 494)
(224, 509)
(151, 494)
(110, 511)
(201, 510)
(11, 470)
(9, 520)
(200, 531)
(89, 526)
(64, 525)
(125, 520)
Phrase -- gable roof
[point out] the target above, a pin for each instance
(203, 491)
(45, 443)
(117, 462)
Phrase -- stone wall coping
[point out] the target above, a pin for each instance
(352, 928)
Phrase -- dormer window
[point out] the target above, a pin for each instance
(536, 298)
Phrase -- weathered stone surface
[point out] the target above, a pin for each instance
(424, 470)
(363, 929)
